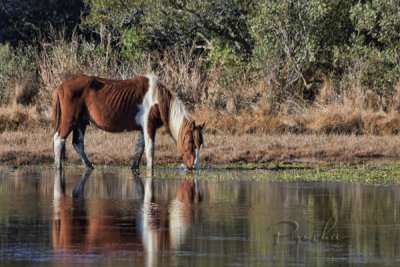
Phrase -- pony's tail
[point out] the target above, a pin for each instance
(56, 112)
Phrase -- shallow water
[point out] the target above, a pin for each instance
(112, 217)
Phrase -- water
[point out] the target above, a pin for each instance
(113, 218)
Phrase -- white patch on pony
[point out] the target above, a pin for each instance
(196, 164)
(178, 112)
(149, 100)
(58, 148)
(56, 139)
(152, 87)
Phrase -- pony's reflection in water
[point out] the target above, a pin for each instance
(69, 216)
(99, 226)
(161, 229)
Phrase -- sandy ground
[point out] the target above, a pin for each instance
(22, 148)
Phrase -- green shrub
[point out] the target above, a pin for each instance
(132, 45)
(17, 74)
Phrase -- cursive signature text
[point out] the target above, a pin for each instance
(292, 232)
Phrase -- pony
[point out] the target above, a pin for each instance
(138, 104)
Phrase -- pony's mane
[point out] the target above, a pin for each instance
(173, 113)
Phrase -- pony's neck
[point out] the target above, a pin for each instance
(178, 120)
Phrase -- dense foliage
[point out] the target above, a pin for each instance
(295, 46)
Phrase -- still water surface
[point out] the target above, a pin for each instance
(114, 218)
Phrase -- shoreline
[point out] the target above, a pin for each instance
(382, 174)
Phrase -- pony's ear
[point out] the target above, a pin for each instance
(201, 125)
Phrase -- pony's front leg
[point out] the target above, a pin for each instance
(139, 149)
(149, 150)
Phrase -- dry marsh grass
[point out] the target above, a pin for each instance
(319, 120)
(248, 118)
(19, 117)
(230, 101)
(35, 147)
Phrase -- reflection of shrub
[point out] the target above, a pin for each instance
(17, 75)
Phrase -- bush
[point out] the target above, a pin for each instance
(280, 57)
(17, 75)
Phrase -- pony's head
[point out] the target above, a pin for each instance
(192, 141)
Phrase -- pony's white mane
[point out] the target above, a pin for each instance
(177, 111)
(177, 115)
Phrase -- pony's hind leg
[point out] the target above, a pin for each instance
(78, 140)
(139, 148)
(59, 142)
(59, 150)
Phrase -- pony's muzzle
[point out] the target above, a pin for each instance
(189, 168)
(186, 168)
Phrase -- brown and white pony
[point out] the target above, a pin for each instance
(139, 104)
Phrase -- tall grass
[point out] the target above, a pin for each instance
(184, 72)
(61, 59)
(237, 100)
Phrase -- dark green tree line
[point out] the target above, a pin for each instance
(296, 42)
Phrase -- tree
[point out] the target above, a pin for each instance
(302, 35)
(25, 20)
(376, 39)
(157, 24)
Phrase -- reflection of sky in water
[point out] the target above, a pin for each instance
(112, 217)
